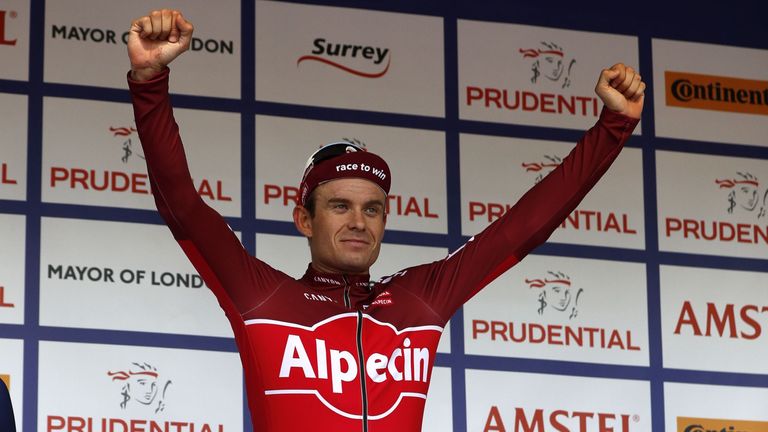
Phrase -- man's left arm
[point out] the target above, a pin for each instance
(447, 284)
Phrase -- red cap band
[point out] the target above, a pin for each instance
(353, 164)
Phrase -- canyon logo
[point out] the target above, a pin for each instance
(360, 60)
(4, 38)
(550, 62)
(556, 294)
(692, 424)
(141, 383)
(125, 133)
(745, 195)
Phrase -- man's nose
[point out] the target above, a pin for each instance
(357, 220)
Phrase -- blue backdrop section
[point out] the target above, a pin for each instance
(734, 23)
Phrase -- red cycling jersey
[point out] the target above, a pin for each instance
(339, 352)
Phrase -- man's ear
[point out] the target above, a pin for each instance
(303, 220)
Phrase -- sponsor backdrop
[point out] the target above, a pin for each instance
(645, 311)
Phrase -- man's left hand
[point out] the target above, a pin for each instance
(622, 90)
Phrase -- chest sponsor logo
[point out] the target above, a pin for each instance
(359, 60)
(742, 195)
(4, 303)
(319, 297)
(141, 392)
(716, 93)
(130, 180)
(383, 299)
(5, 39)
(561, 420)
(324, 362)
(692, 424)
(557, 298)
(549, 63)
(579, 220)
(111, 37)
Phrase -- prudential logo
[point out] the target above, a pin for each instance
(360, 60)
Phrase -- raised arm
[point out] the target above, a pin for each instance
(238, 280)
(448, 283)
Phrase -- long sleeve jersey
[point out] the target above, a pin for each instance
(340, 352)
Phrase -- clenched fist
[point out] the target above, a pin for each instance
(155, 40)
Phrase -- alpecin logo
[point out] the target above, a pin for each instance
(126, 133)
(744, 194)
(4, 39)
(141, 383)
(549, 61)
(557, 294)
(359, 60)
(542, 168)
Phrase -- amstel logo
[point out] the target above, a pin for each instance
(691, 424)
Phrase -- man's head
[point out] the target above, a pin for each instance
(342, 203)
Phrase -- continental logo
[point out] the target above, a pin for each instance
(691, 424)
(6, 379)
(716, 93)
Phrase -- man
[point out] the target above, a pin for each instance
(332, 350)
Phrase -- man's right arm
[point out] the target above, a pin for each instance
(238, 280)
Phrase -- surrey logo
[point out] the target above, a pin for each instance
(557, 294)
(127, 144)
(745, 195)
(141, 383)
(544, 167)
(550, 62)
(359, 60)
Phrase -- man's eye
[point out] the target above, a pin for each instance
(372, 210)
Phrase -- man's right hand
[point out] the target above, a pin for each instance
(156, 40)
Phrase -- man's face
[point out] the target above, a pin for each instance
(346, 232)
